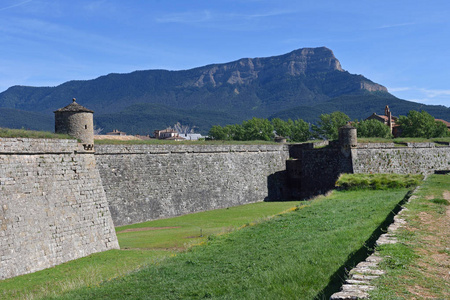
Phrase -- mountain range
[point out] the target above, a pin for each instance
(301, 84)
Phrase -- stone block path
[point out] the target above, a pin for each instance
(359, 282)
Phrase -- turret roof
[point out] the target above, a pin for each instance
(74, 107)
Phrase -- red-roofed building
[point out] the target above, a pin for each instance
(445, 122)
(388, 120)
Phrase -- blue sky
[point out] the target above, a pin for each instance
(403, 45)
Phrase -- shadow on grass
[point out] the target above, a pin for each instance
(338, 278)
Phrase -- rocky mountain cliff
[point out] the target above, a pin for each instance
(204, 96)
(246, 70)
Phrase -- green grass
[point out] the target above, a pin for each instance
(87, 271)
(195, 228)
(149, 247)
(418, 266)
(290, 256)
(22, 133)
(378, 181)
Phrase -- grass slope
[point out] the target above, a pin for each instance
(149, 247)
(291, 256)
(180, 232)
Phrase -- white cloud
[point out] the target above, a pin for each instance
(15, 5)
(186, 17)
(423, 95)
(435, 93)
(206, 16)
(263, 15)
(396, 25)
(399, 89)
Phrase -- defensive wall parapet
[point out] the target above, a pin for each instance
(423, 158)
(312, 171)
(144, 182)
(52, 205)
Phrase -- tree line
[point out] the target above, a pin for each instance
(415, 124)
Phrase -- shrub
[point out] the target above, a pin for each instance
(377, 181)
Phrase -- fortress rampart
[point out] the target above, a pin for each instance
(52, 205)
(144, 182)
(413, 158)
(58, 201)
(315, 171)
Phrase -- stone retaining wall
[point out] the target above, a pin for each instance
(415, 158)
(52, 205)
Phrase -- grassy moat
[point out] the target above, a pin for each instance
(268, 250)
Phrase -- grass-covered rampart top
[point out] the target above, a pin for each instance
(23, 133)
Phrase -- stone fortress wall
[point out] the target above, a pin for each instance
(52, 205)
(424, 158)
(58, 202)
(315, 171)
(145, 182)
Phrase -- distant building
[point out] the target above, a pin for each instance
(168, 134)
(191, 136)
(175, 138)
(390, 121)
(445, 122)
(387, 119)
(116, 132)
(165, 134)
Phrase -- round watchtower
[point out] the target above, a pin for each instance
(77, 121)
(348, 137)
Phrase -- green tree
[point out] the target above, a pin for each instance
(283, 128)
(441, 130)
(235, 132)
(421, 124)
(258, 129)
(373, 128)
(217, 132)
(300, 131)
(329, 124)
